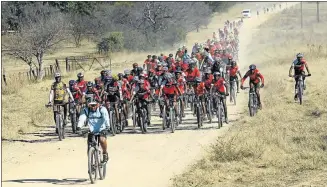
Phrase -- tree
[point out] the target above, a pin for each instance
(80, 25)
(41, 30)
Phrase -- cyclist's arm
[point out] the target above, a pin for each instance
(81, 119)
(51, 95)
(261, 77)
(105, 116)
(239, 73)
(178, 90)
(292, 66)
(245, 77)
(307, 67)
(70, 94)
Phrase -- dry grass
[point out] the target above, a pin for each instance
(285, 144)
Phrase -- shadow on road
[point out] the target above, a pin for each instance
(44, 136)
(68, 181)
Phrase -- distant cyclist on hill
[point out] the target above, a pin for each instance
(298, 65)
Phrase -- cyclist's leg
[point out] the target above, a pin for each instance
(145, 104)
(175, 106)
(65, 106)
(204, 111)
(257, 91)
(103, 144)
(304, 85)
(223, 99)
(237, 84)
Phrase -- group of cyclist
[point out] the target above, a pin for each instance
(208, 70)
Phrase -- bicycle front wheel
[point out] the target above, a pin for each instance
(92, 164)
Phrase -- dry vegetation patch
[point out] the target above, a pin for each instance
(285, 144)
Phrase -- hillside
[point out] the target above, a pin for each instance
(286, 143)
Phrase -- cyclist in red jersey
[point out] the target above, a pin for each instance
(181, 84)
(81, 83)
(192, 72)
(147, 63)
(200, 90)
(233, 72)
(219, 85)
(170, 91)
(144, 77)
(208, 77)
(255, 77)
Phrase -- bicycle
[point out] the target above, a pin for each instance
(208, 102)
(253, 101)
(169, 120)
(141, 116)
(300, 86)
(198, 110)
(73, 116)
(95, 157)
(122, 118)
(220, 112)
(180, 108)
(112, 115)
(59, 119)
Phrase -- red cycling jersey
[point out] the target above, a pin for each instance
(208, 82)
(254, 77)
(302, 64)
(82, 86)
(233, 71)
(199, 89)
(191, 74)
(172, 90)
(181, 83)
(219, 85)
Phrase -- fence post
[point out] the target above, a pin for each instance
(51, 69)
(4, 76)
(67, 65)
(57, 65)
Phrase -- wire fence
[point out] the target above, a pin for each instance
(68, 64)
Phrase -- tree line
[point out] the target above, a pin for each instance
(37, 28)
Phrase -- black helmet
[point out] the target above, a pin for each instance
(89, 84)
(80, 75)
(252, 67)
(197, 79)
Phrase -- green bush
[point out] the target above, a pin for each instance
(113, 43)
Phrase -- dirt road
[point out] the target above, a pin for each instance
(137, 160)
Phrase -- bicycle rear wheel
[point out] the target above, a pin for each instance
(209, 111)
(145, 118)
(73, 120)
(164, 118)
(219, 116)
(198, 116)
(300, 92)
(251, 105)
(112, 124)
(92, 164)
(172, 119)
(59, 126)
